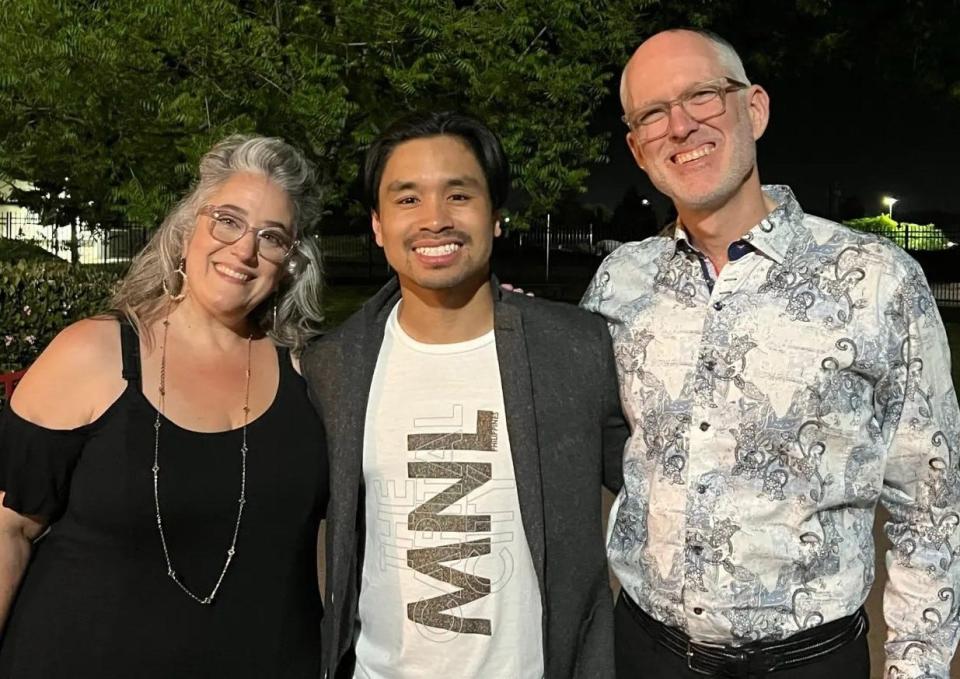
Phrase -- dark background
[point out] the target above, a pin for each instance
(864, 98)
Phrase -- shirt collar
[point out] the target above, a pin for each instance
(771, 236)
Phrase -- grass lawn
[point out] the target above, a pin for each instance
(339, 301)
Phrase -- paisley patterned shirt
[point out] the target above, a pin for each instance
(771, 409)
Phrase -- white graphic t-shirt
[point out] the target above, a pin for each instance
(448, 587)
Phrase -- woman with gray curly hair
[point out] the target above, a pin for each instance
(172, 453)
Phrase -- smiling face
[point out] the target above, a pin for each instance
(699, 165)
(435, 221)
(231, 280)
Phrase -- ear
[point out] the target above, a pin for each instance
(497, 232)
(377, 227)
(758, 107)
(636, 150)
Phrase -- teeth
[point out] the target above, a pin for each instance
(439, 250)
(704, 150)
(230, 272)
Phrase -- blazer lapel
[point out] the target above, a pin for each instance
(521, 417)
(360, 365)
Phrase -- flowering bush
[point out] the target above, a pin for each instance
(38, 299)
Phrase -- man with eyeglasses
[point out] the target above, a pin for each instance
(782, 374)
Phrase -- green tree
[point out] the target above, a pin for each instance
(123, 96)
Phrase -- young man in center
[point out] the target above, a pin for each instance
(470, 431)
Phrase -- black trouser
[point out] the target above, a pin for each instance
(640, 656)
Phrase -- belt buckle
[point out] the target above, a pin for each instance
(706, 671)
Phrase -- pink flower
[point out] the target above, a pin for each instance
(30, 339)
(26, 310)
(7, 340)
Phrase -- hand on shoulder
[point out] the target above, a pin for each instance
(75, 379)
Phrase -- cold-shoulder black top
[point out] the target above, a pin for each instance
(96, 600)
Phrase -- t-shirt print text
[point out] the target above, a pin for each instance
(427, 516)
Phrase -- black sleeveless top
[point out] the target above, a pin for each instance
(96, 600)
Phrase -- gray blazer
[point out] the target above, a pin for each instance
(567, 434)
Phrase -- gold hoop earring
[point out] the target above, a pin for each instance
(181, 290)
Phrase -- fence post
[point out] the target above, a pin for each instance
(546, 276)
(75, 242)
(906, 235)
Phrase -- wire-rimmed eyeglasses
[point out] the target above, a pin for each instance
(228, 226)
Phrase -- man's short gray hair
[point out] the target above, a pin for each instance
(726, 55)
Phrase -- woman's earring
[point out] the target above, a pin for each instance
(181, 289)
(274, 313)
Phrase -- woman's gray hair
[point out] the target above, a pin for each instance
(294, 313)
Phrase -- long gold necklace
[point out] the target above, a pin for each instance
(231, 552)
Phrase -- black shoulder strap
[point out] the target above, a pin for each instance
(286, 365)
(130, 348)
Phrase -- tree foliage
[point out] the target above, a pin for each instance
(107, 105)
(111, 102)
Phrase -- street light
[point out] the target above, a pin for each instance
(889, 202)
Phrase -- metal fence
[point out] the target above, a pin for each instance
(919, 237)
(350, 252)
(120, 243)
(936, 249)
(100, 245)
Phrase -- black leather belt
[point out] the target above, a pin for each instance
(755, 658)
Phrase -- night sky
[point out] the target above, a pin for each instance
(830, 126)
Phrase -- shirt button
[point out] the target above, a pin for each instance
(718, 305)
(709, 364)
(701, 489)
(697, 549)
(698, 611)
(704, 426)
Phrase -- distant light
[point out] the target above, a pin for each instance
(644, 202)
(951, 244)
(889, 202)
(506, 220)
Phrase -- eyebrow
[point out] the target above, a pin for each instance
(463, 180)
(268, 223)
